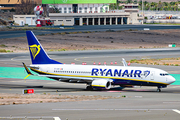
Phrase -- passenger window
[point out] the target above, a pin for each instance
(163, 74)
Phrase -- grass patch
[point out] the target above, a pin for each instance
(63, 49)
(2, 45)
(163, 61)
(8, 51)
(67, 33)
(86, 32)
(3, 50)
(63, 33)
(73, 32)
(133, 61)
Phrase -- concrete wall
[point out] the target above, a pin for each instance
(24, 19)
(68, 21)
(133, 19)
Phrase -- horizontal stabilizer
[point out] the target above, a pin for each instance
(27, 70)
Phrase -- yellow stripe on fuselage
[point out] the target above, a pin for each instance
(97, 77)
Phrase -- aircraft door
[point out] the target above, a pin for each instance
(47, 69)
(152, 75)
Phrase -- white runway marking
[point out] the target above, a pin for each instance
(171, 102)
(175, 110)
(115, 109)
(30, 117)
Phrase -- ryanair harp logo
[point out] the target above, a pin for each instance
(35, 49)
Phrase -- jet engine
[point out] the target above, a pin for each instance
(101, 84)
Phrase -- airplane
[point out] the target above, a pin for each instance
(95, 76)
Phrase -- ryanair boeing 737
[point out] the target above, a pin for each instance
(95, 76)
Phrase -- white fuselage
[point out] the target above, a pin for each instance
(115, 73)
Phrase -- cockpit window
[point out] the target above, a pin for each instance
(163, 74)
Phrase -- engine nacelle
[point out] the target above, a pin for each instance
(101, 84)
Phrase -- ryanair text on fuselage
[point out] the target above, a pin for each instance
(119, 73)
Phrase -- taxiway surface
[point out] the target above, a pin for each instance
(139, 103)
(22, 33)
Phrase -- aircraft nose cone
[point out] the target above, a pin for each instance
(171, 79)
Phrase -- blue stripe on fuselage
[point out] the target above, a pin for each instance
(134, 82)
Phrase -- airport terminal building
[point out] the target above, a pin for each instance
(85, 12)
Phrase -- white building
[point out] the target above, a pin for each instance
(87, 14)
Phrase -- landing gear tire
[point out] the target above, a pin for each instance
(158, 90)
(89, 88)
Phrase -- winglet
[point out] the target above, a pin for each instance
(124, 62)
(27, 70)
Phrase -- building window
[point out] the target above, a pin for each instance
(68, 20)
(85, 10)
(90, 10)
(101, 9)
(65, 10)
(80, 9)
(135, 6)
(96, 10)
(60, 10)
(60, 20)
(106, 8)
(69, 10)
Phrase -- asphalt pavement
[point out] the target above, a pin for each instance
(139, 103)
(22, 33)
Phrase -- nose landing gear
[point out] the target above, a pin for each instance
(159, 88)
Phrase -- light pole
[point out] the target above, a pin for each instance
(117, 4)
(142, 9)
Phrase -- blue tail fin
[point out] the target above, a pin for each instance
(38, 55)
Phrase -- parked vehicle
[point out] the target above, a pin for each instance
(46, 22)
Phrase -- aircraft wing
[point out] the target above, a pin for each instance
(69, 78)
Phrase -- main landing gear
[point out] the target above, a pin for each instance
(89, 88)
